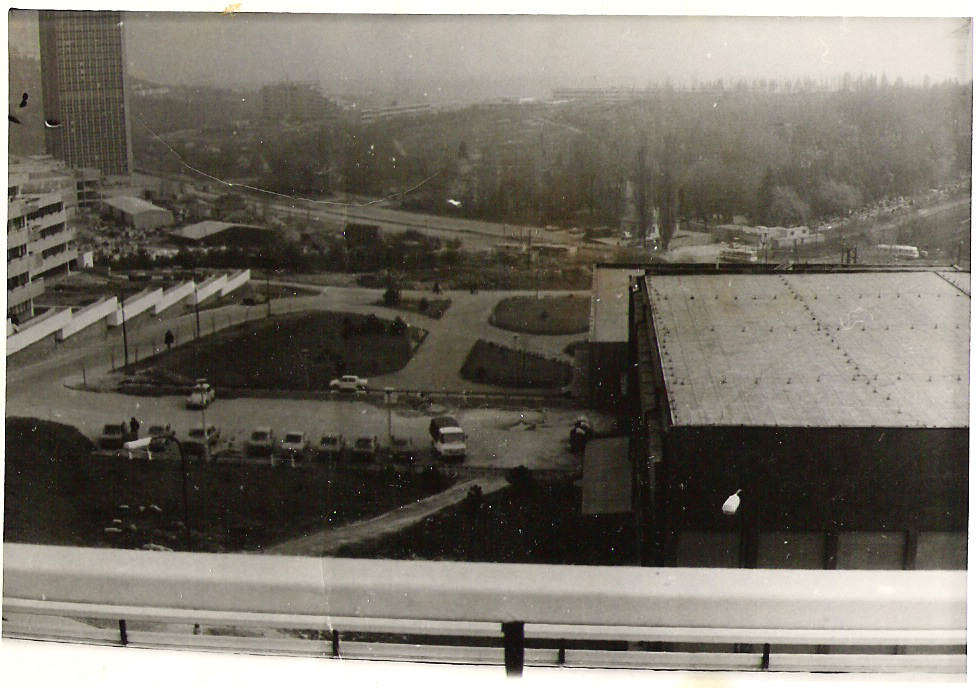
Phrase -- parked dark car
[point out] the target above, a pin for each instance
(364, 449)
(330, 448)
(114, 435)
(401, 450)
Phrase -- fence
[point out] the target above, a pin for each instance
(135, 305)
(173, 296)
(89, 315)
(38, 328)
(720, 619)
(235, 282)
(208, 288)
(67, 324)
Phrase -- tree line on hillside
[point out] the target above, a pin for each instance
(777, 158)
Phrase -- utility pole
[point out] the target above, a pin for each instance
(196, 304)
(125, 336)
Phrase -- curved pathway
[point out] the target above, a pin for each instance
(434, 367)
(327, 541)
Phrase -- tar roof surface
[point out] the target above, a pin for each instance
(820, 350)
(609, 303)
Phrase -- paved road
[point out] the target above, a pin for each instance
(475, 233)
(38, 389)
(326, 542)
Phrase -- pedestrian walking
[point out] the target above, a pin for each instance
(134, 427)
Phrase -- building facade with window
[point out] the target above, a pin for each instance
(39, 244)
(84, 87)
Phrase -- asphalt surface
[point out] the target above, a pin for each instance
(497, 438)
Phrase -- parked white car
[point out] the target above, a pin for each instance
(294, 447)
(201, 396)
(350, 384)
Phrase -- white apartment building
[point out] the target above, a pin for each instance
(39, 243)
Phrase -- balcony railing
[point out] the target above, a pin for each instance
(54, 261)
(19, 266)
(511, 615)
(31, 290)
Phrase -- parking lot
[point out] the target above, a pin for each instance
(497, 438)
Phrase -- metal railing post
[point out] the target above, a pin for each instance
(514, 634)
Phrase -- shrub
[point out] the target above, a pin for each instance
(398, 327)
(391, 296)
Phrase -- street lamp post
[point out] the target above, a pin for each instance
(733, 507)
(515, 339)
(196, 303)
(125, 336)
(388, 392)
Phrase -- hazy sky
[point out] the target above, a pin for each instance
(463, 57)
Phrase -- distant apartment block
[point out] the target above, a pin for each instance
(392, 111)
(39, 243)
(83, 76)
(290, 100)
(601, 95)
(80, 187)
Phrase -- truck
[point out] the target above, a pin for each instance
(447, 438)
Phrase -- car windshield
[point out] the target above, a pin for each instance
(364, 442)
(330, 440)
(452, 436)
(259, 436)
(156, 430)
(112, 430)
(293, 437)
(196, 432)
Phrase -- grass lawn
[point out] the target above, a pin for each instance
(547, 315)
(494, 364)
(540, 523)
(56, 493)
(292, 351)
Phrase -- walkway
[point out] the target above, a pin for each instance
(327, 541)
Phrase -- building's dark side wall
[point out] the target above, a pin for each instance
(817, 479)
(607, 362)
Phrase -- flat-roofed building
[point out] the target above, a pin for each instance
(137, 213)
(214, 233)
(836, 402)
(368, 115)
